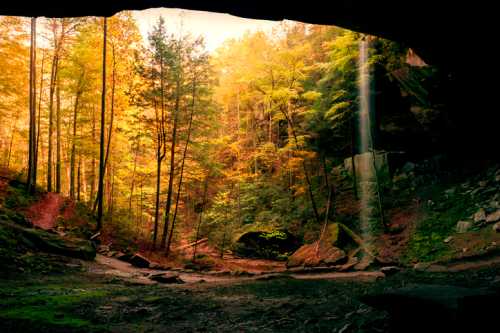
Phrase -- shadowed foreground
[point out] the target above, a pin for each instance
(79, 301)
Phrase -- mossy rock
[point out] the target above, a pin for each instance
(48, 242)
(267, 245)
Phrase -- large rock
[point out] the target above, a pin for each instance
(265, 244)
(138, 260)
(314, 255)
(480, 216)
(53, 243)
(463, 226)
(493, 217)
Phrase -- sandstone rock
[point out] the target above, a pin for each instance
(421, 266)
(124, 256)
(496, 227)
(390, 270)
(479, 216)
(463, 226)
(103, 249)
(493, 217)
(166, 278)
(139, 261)
(306, 255)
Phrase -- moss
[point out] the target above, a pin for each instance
(53, 308)
(17, 196)
(427, 243)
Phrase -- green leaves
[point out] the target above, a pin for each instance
(337, 112)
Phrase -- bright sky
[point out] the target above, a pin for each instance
(214, 27)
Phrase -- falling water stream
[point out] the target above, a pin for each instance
(365, 159)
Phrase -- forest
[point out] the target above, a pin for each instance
(302, 152)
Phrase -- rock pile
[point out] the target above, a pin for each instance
(485, 194)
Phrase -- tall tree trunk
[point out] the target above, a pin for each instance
(179, 186)
(58, 136)
(168, 205)
(111, 119)
(51, 121)
(160, 149)
(38, 118)
(100, 189)
(197, 236)
(111, 193)
(53, 79)
(32, 105)
(73, 143)
(132, 185)
(92, 164)
(79, 178)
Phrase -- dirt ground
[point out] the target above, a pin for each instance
(85, 297)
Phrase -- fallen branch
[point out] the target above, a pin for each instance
(201, 241)
(357, 239)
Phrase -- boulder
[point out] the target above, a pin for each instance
(123, 256)
(493, 217)
(266, 244)
(463, 226)
(138, 260)
(53, 243)
(479, 216)
(166, 278)
(496, 227)
(314, 255)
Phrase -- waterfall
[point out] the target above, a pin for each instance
(365, 158)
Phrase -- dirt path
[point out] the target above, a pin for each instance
(112, 266)
(44, 213)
